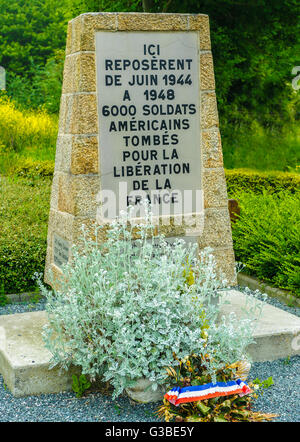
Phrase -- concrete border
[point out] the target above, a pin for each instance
(255, 284)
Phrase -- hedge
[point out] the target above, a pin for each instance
(24, 211)
(239, 180)
(266, 238)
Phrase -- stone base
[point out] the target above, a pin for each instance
(277, 332)
(143, 393)
(24, 361)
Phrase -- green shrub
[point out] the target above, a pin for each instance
(80, 385)
(3, 297)
(125, 307)
(24, 210)
(239, 180)
(30, 168)
(41, 89)
(267, 238)
(254, 146)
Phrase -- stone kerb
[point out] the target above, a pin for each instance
(76, 180)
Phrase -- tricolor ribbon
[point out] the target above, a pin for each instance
(183, 395)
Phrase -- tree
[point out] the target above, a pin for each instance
(147, 5)
(255, 46)
(30, 30)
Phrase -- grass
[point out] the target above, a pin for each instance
(25, 134)
(262, 149)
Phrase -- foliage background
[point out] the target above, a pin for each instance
(255, 47)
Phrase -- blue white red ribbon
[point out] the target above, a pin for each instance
(183, 395)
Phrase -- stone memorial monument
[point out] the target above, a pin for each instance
(138, 120)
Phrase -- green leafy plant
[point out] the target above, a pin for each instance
(35, 297)
(80, 385)
(118, 408)
(264, 384)
(29, 168)
(125, 305)
(266, 238)
(24, 212)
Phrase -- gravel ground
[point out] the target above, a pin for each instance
(282, 398)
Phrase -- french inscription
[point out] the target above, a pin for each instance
(149, 118)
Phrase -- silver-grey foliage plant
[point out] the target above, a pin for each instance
(126, 307)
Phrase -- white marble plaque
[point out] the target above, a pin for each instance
(149, 121)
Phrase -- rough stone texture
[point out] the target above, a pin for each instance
(225, 260)
(217, 229)
(65, 202)
(63, 153)
(207, 77)
(92, 23)
(85, 158)
(77, 154)
(77, 178)
(149, 22)
(209, 110)
(78, 114)
(80, 36)
(60, 222)
(214, 187)
(79, 73)
(24, 361)
(77, 194)
(212, 148)
(54, 192)
(84, 114)
(143, 393)
(200, 22)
